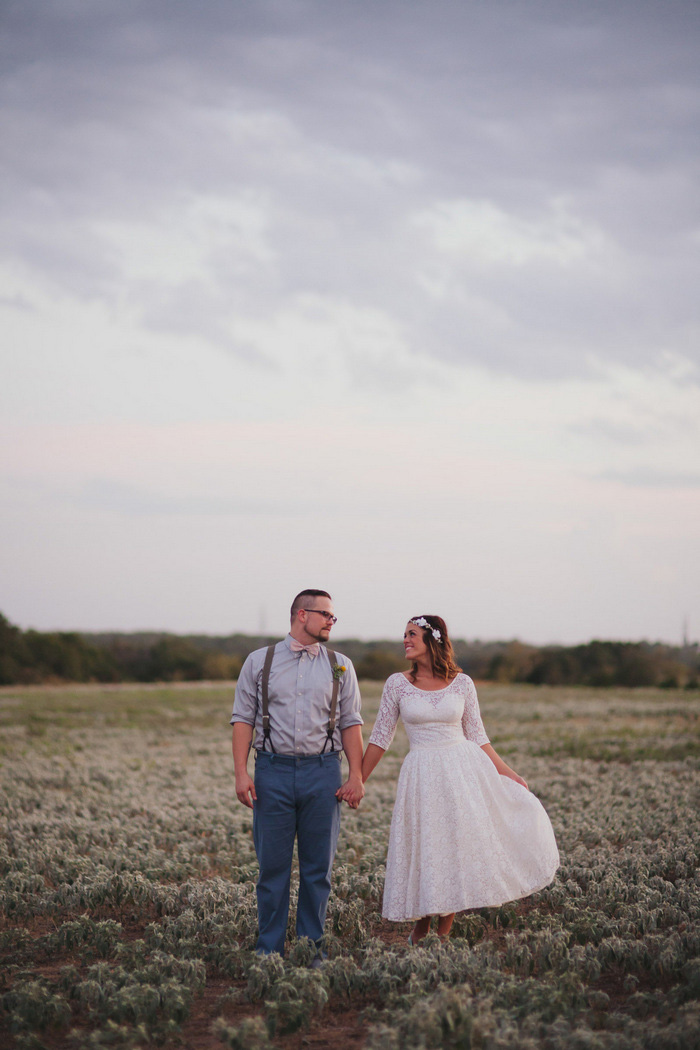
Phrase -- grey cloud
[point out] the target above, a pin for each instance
(17, 302)
(614, 432)
(196, 310)
(655, 426)
(642, 477)
(382, 77)
(350, 119)
(106, 494)
(113, 496)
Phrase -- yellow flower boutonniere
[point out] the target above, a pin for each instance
(338, 671)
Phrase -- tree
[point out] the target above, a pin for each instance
(378, 664)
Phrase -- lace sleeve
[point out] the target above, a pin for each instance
(472, 726)
(387, 716)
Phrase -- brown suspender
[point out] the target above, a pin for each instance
(265, 680)
(265, 700)
(334, 704)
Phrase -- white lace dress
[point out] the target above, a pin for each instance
(462, 836)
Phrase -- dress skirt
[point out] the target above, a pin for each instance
(463, 836)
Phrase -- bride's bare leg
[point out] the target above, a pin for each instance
(445, 925)
(421, 929)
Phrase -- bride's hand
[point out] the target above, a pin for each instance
(518, 779)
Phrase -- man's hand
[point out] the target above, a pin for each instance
(245, 789)
(240, 743)
(352, 791)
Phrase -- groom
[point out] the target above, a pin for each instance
(300, 708)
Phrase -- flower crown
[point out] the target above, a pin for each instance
(420, 621)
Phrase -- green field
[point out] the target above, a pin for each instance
(127, 903)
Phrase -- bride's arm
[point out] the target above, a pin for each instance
(372, 756)
(473, 729)
(384, 727)
(502, 767)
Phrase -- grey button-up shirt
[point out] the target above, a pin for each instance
(299, 695)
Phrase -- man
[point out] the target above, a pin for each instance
(297, 789)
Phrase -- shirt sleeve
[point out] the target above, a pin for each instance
(472, 726)
(387, 716)
(349, 698)
(245, 703)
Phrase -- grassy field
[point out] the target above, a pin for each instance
(127, 902)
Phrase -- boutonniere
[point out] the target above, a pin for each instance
(338, 671)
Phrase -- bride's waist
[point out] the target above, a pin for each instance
(438, 740)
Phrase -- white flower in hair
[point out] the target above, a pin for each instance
(421, 621)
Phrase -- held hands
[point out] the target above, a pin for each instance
(352, 791)
(245, 790)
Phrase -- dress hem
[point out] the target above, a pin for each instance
(469, 907)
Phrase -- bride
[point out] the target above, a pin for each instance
(465, 832)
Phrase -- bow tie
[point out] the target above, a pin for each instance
(296, 647)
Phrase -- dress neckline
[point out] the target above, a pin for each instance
(419, 690)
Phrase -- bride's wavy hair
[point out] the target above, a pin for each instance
(442, 655)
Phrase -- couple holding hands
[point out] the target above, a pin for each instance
(465, 832)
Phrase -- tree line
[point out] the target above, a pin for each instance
(36, 657)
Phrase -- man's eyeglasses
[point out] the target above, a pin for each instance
(327, 616)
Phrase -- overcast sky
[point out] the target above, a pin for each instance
(396, 299)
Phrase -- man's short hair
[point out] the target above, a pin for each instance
(301, 597)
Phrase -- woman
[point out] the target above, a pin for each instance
(465, 832)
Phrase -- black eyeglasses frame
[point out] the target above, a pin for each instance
(329, 617)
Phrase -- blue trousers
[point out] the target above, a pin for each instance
(295, 799)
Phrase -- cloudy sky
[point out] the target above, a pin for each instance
(394, 298)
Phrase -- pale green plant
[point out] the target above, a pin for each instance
(123, 820)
